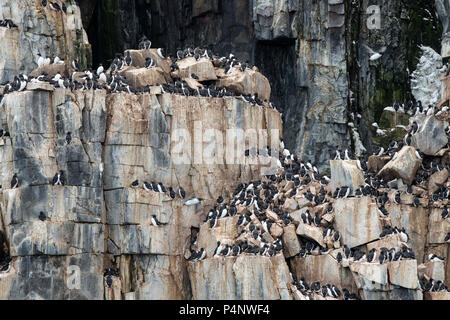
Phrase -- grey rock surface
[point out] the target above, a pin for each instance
(40, 31)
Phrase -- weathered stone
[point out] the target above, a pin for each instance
(40, 86)
(323, 268)
(203, 69)
(248, 82)
(40, 31)
(439, 177)
(445, 296)
(432, 270)
(154, 277)
(438, 228)
(345, 174)
(242, 278)
(357, 220)
(51, 70)
(391, 241)
(431, 136)
(365, 273)
(415, 222)
(138, 58)
(225, 231)
(276, 230)
(290, 205)
(403, 273)
(403, 167)
(139, 78)
(290, 240)
(311, 232)
(274, 19)
(376, 163)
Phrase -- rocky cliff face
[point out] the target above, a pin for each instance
(96, 220)
(268, 236)
(301, 46)
(43, 31)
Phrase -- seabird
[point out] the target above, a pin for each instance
(445, 213)
(55, 6)
(419, 154)
(416, 201)
(160, 52)
(383, 255)
(128, 59)
(373, 54)
(155, 221)
(69, 137)
(14, 181)
(100, 69)
(181, 192)
(42, 216)
(372, 255)
(58, 179)
(193, 201)
(219, 249)
(135, 184)
(202, 254)
(161, 188)
(149, 63)
(147, 186)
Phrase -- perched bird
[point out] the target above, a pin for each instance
(58, 179)
(42, 216)
(155, 221)
(181, 192)
(445, 213)
(172, 193)
(135, 184)
(14, 181)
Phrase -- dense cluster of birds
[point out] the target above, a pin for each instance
(326, 290)
(114, 81)
(261, 205)
(413, 108)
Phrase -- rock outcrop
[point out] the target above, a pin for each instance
(108, 230)
(43, 31)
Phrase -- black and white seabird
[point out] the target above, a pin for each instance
(14, 181)
(447, 238)
(58, 179)
(397, 198)
(155, 221)
(445, 213)
(172, 193)
(372, 255)
(160, 53)
(135, 184)
(435, 258)
(181, 192)
(128, 59)
(161, 188)
(55, 6)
